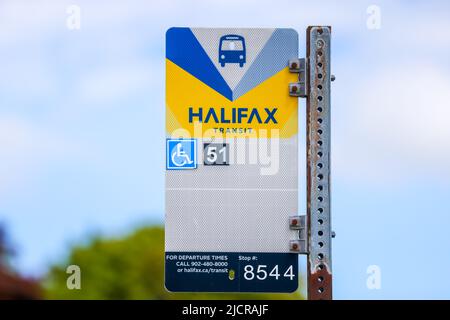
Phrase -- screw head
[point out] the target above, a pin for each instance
(294, 88)
(294, 65)
(294, 222)
(295, 246)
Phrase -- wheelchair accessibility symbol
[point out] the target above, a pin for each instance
(181, 154)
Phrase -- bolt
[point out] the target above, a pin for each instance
(294, 222)
(294, 65)
(294, 88)
(320, 43)
(333, 234)
(294, 246)
(333, 77)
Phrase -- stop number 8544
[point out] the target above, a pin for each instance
(261, 272)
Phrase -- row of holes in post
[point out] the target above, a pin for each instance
(320, 176)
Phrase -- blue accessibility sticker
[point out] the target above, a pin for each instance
(181, 154)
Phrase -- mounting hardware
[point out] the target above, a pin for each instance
(298, 89)
(297, 65)
(299, 245)
(297, 222)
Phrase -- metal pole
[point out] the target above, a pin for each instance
(318, 163)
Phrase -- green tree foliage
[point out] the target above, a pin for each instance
(126, 268)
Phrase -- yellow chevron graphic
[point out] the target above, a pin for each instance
(185, 92)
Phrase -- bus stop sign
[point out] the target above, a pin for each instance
(231, 160)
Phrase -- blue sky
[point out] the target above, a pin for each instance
(82, 128)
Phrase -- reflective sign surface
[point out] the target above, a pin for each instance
(231, 160)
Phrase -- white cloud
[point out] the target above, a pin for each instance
(108, 85)
(26, 76)
(24, 149)
(395, 124)
(26, 21)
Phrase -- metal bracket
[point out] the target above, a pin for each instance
(298, 89)
(299, 245)
(297, 65)
(318, 163)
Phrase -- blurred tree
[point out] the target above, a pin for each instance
(12, 286)
(128, 268)
(4, 252)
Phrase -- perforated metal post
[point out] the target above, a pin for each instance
(318, 163)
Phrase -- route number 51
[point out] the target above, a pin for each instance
(216, 154)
